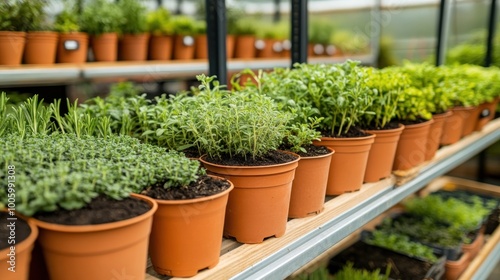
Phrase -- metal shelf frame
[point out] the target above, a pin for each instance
(303, 250)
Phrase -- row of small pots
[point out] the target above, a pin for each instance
(233, 213)
(46, 47)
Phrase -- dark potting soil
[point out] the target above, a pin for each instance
(352, 133)
(391, 125)
(364, 256)
(410, 122)
(273, 157)
(18, 229)
(204, 186)
(100, 210)
(311, 151)
(492, 222)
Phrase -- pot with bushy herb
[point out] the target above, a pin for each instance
(245, 31)
(386, 86)
(311, 176)
(134, 39)
(340, 97)
(240, 133)
(161, 28)
(184, 30)
(101, 19)
(73, 43)
(413, 112)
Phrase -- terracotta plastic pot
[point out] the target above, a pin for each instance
(258, 206)
(412, 146)
(348, 165)
(453, 269)
(268, 48)
(487, 113)
(160, 47)
(105, 47)
(474, 247)
(382, 153)
(471, 117)
(133, 47)
(200, 47)
(452, 128)
(40, 47)
(309, 185)
(11, 47)
(20, 258)
(435, 132)
(72, 47)
(184, 47)
(244, 47)
(230, 43)
(187, 234)
(103, 251)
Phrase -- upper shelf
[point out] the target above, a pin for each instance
(307, 238)
(60, 74)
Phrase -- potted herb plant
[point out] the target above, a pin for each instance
(240, 133)
(311, 176)
(387, 86)
(16, 18)
(73, 43)
(102, 19)
(161, 28)
(200, 40)
(245, 31)
(320, 31)
(413, 112)
(340, 96)
(41, 40)
(184, 29)
(133, 42)
(269, 40)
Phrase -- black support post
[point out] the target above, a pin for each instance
(488, 60)
(299, 35)
(440, 31)
(216, 37)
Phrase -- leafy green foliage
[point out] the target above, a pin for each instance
(401, 243)
(455, 212)
(22, 15)
(320, 31)
(387, 87)
(348, 272)
(320, 273)
(350, 42)
(135, 17)
(68, 20)
(101, 16)
(244, 26)
(184, 25)
(64, 171)
(425, 230)
(160, 22)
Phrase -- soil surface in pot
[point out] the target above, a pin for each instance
(492, 222)
(100, 210)
(391, 125)
(21, 228)
(204, 186)
(364, 256)
(311, 150)
(271, 158)
(410, 122)
(352, 133)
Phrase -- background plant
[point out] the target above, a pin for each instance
(22, 15)
(101, 16)
(348, 272)
(134, 14)
(68, 20)
(160, 22)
